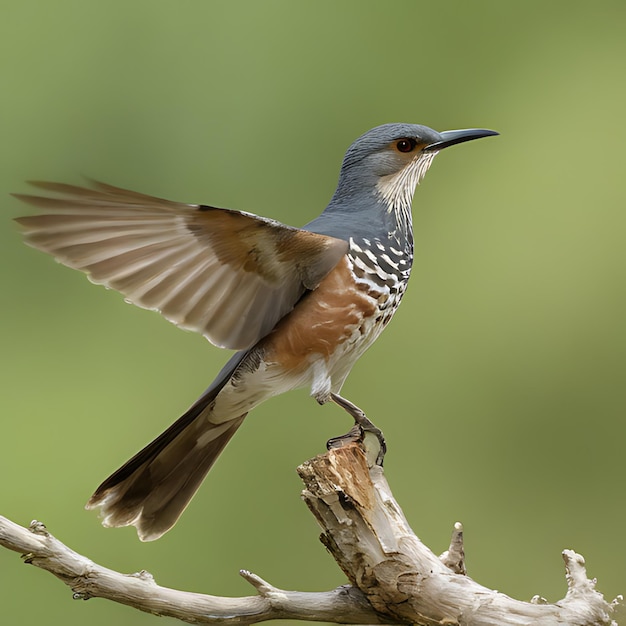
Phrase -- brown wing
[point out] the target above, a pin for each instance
(226, 274)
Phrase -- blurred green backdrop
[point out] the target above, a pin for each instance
(500, 385)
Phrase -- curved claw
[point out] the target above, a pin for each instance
(358, 433)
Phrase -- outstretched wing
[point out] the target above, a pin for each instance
(226, 274)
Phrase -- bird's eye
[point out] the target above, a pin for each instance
(406, 145)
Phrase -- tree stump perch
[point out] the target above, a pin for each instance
(394, 578)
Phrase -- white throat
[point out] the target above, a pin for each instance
(397, 189)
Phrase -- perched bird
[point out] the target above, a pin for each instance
(300, 305)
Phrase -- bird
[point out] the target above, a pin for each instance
(298, 305)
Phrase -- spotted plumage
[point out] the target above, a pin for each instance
(300, 305)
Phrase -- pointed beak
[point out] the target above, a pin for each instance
(452, 137)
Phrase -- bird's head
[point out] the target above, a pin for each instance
(390, 160)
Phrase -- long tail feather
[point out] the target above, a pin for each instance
(153, 488)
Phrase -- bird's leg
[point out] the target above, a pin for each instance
(362, 426)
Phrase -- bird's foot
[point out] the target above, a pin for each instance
(354, 435)
(359, 432)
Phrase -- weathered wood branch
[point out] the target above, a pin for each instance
(90, 580)
(369, 537)
(394, 578)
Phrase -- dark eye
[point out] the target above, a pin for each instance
(406, 145)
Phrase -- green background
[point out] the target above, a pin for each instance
(500, 385)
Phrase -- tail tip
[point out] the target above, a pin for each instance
(111, 517)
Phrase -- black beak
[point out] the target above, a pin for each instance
(452, 137)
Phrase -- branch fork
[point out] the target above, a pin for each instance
(394, 578)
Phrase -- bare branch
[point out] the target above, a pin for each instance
(89, 580)
(395, 579)
(369, 537)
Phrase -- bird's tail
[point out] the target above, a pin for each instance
(151, 490)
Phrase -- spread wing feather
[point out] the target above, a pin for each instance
(228, 275)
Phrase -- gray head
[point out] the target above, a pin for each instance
(390, 160)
